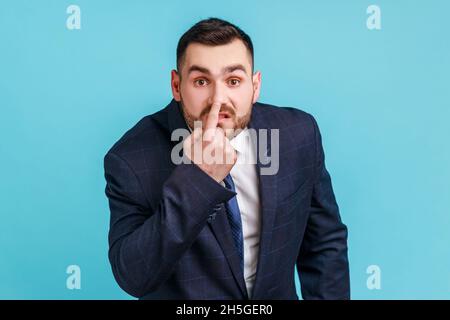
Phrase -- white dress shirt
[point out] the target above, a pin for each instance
(245, 178)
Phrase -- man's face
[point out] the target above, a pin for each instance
(220, 74)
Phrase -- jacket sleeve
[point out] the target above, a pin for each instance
(146, 243)
(322, 262)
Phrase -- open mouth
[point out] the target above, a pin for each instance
(224, 115)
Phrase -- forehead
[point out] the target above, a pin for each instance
(215, 58)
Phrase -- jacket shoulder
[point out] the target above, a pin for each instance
(145, 133)
(285, 117)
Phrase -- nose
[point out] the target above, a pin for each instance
(218, 95)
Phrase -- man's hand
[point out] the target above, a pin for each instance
(210, 149)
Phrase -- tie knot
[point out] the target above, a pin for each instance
(229, 182)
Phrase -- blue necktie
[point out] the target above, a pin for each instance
(234, 217)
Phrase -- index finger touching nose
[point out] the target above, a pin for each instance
(211, 121)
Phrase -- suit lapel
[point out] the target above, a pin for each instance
(268, 198)
(222, 231)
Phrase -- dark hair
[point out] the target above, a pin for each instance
(212, 32)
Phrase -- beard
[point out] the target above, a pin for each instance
(238, 122)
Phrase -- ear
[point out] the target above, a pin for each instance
(256, 86)
(175, 84)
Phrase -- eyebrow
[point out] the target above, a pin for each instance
(233, 68)
(227, 69)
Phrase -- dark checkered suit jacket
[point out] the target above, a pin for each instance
(169, 235)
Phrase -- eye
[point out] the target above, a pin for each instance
(234, 82)
(201, 82)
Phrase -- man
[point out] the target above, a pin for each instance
(212, 226)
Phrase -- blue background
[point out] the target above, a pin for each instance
(381, 98)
